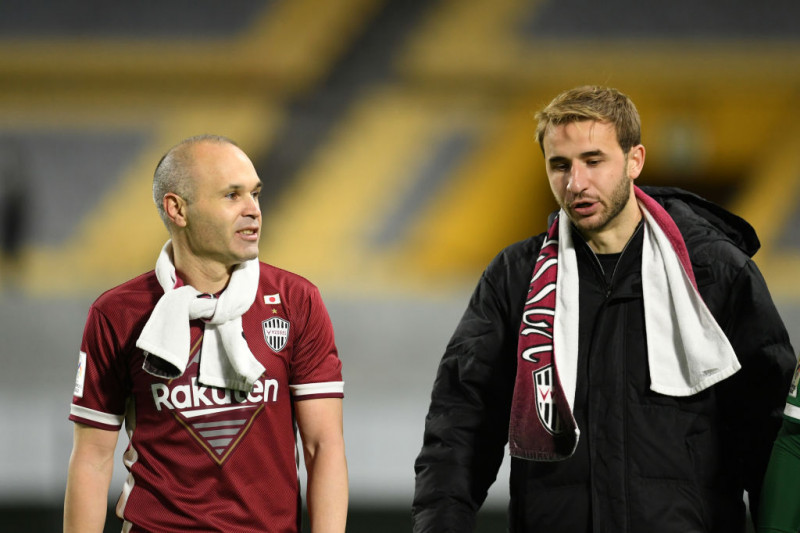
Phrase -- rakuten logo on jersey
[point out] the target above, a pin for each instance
(197, 396)
(217, 418)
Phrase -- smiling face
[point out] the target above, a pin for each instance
(592, 180)
(221, 225)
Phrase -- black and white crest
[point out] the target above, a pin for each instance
(545, 403)
(276, 332)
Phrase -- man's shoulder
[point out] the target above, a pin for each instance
(272, 275)
(126, 306)
(523, 251)
(513, 265)
(704, 223)
(141, 290)
(285, 286)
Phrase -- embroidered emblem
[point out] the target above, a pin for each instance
(276, 332)
(81, 376)
(545, 403)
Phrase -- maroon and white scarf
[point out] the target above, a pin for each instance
(687, 350)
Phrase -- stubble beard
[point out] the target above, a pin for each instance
(611, 209)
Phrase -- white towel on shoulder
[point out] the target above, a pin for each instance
(225, 359)
(687, 350)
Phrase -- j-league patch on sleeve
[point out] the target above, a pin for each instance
(79, 379)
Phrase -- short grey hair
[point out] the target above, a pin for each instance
(173, 173)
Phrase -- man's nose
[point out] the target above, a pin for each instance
(576, 182)
(252, 207)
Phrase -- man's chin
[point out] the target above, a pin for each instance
(247, 255)
(587, 224)
(584, 222)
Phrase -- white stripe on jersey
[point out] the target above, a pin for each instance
(325, 387)
(96, 416)
(792, 411)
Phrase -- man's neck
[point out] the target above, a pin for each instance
(615, 237)
(206, 276)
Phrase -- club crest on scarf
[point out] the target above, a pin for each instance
(545, 403)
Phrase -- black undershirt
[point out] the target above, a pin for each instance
(609, 263)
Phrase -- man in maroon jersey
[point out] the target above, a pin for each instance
(210, 360)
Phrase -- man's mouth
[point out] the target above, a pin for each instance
(583, 207)
(248, 233)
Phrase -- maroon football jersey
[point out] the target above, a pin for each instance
(202, 458)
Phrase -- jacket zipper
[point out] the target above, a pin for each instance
(609, 286)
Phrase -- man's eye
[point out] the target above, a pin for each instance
(232, 195)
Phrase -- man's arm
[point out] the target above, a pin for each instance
(320, 425)
(466, 427)
(90, 467)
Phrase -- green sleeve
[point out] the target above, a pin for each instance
(780, 495)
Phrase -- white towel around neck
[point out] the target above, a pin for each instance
(687, 350)
(225, 358)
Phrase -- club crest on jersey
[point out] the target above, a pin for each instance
(545, 403)
(276, 333)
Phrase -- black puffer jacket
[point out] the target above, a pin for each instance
(645, 462)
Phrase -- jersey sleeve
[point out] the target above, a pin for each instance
(779, 510)
(316, 369)
(100, 393)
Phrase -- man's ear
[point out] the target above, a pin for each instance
(635, 161)
(175, 208)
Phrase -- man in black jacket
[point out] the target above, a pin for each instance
(631, 356)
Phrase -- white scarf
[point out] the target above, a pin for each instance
(225, 361)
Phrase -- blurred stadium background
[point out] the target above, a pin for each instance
(395, 141)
